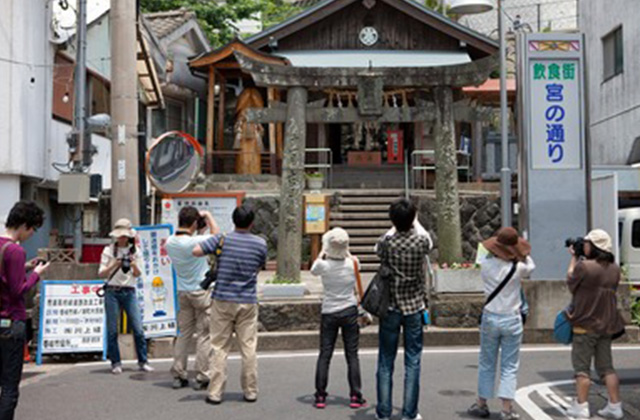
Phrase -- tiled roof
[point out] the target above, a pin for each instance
(164, 23)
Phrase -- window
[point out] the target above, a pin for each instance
(635, 234)
(613, 52)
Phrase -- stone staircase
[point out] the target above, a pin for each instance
(364, 214)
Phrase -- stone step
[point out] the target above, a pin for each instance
(345, 208)
(367, 200)
(364, 240)
(369, 267)
(360, 224)
(362, 249)
(359, 216)
(395, 193)
(368, 258)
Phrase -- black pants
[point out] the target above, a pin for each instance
(12, 342)
(347, 320)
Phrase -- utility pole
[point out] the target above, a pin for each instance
(125, 190)
(82, 155)
(505, 171)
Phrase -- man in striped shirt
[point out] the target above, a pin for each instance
(234, 306)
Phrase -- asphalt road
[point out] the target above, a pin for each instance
(91, 392)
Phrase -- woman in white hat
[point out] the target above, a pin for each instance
(339, 273)
(120, 265)
(593, 281)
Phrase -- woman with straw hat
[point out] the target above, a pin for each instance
(593, 282)
(120, 265)
(502, 320)
(340, 276)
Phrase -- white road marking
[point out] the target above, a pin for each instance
(543, 389)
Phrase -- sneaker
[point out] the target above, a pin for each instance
(200, 385)
(511, 415)
(417, 417)
(612, 411)
(179, 383)
(477, 410)
(212, 402)
(357, 402)
(579, 411)
(250, 399)
(382, 418)
(321, 402)
(146, 367)
(116, 370)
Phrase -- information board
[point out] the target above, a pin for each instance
(72, 318)
(316, 214)
(221, 206)
(156, 286)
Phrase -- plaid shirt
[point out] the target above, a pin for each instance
(406, 252)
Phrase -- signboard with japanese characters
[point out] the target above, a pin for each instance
(555, 114)
(72, 318)
(156, 286)
(220, 205)
(553, 183)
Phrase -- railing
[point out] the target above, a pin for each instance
(58, 255)
(324, 163)
(425, 160)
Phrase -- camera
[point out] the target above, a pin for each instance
(578, 246)
(126, 264)
(202, 223)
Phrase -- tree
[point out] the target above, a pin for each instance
(217, 19)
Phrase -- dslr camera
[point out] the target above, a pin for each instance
(578, 246)
(202, 223)
(126, 264)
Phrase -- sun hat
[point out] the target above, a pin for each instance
(122, 228)
(600, 239)
(335, 244)
(507, 245)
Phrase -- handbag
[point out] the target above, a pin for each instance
(498, 289)
(212, 274)
(562, 328)
(376, 298)
(364, 318)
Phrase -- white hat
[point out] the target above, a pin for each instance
(123, 228)
(600, 239)
(335, 244)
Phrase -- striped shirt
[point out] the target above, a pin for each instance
(242, 257)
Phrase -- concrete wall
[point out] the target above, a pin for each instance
(614, 104)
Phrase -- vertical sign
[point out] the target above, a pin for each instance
(72, 318)
(156, 287)
(553, 170)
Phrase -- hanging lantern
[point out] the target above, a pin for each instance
(466, 7)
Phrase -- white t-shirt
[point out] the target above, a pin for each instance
(190, 270)
(494, 270)
(339, 281)
(120, 278)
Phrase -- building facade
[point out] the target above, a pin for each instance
(613, 45)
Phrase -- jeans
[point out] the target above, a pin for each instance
(12, 341)
(347, 321)
(499, 334)
(124, 298)
(388, 336)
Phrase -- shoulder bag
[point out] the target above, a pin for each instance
(376, 298)
(212, 274)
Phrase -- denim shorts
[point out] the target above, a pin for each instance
(589, 346)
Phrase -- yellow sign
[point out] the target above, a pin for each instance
(316, 214)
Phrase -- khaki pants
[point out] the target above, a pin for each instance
(227, 318)
(193, 317)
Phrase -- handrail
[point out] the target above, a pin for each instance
(324, 164)
(432, 154)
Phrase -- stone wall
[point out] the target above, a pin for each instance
(479, 217)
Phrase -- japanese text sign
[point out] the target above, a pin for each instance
(72, 318)
(221, 207)
(156, 286)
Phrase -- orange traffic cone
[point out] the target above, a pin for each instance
(27, 355)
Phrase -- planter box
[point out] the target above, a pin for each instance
(283, 290)
(315, 183)
(458, 281)
(364, 158)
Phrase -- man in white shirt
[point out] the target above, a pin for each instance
(195, 303)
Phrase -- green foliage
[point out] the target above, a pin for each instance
(315, 175)
(635, 312)
(215, 18)
(282, 280)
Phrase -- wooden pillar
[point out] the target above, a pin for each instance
(447, 197)
(290, 223)
(221, 109)
(211, 100)
(271, 97)
(476, 149)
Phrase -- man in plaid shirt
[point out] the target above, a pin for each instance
(405, 248)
